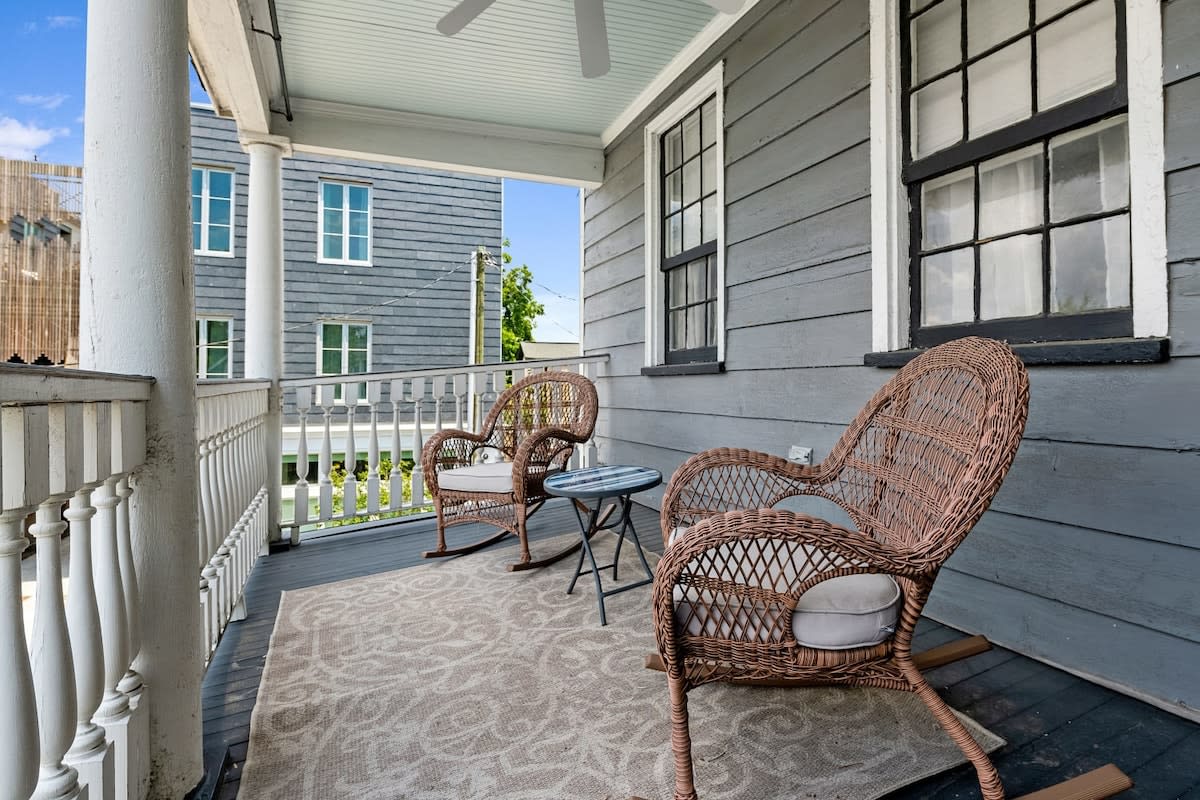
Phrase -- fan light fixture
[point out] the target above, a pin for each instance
(590, 27)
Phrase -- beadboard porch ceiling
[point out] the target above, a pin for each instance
(504, 96)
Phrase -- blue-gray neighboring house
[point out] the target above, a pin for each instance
(377, 259)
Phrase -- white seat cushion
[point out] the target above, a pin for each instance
(494, 478)
(837, 614)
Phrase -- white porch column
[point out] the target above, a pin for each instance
(137, 315)
(264, 295)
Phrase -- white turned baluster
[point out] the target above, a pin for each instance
(50, 644)
(438, 385)
(499, 379)
(83, 618)
(460, 391)
(589, 456)
(350, 486)
(24, 481)
(300, 492)
(325, 460)
(418, 473)
(396, 479)
(374, 391)
(110, 600)
(131, 682)
(208, 571)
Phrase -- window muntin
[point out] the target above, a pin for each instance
(344, 348)
(214, 351)
(1019, 198)
(212, 211)
(344, 220)
(689, 176)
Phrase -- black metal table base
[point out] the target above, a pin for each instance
(589, 529)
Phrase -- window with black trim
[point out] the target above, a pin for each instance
(688, 173)
(1017, 169)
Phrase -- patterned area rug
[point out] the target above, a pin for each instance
(458, 679)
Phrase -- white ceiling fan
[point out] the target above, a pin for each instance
(589, 26)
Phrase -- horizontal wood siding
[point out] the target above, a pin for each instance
(1090, 555)
(425, 227)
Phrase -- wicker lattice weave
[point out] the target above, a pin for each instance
(915, 471)
(535, 423)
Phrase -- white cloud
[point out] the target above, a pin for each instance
(30, 27)
(18, 140)
(62, 21)
(46, 101)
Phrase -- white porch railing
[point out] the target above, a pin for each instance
(233, 470)
(418, 403)
(72, 704)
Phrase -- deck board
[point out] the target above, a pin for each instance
(1056, 725)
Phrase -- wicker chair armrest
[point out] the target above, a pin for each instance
(540, 449)
(731, 479)
(820, 550)
(447, 450)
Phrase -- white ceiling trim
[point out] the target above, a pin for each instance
(425, 140)
(696, 48)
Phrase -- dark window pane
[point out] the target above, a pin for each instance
(218, 212)
(677, 282)
(674, 235)
(358, 337)
(708, 214)
(673, 148)
(359, 223)
(218, 239)
(697, 328)
(1010, 277)
(358, 248)
(331, 195)
(359, 198)
(333, 221)
(220, 184)
(936, 41)
(331, 362)
(691, 226)
(218, 362)
(708, 171)
(696, 275)
(1089, 170)
(677, 329)
(218, 331)
(331, 336)
(711, 336)
(708, 123)
(333, 246)
(197, 181)
(691, 181)
(674, 192)
(691, 134)
(195, 235)
(356, 361)
(948, 287)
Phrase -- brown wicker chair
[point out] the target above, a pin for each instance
(915, 471)
(535, 425)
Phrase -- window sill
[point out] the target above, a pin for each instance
(697, 368)
(214, 253)
(343, 262)
(1096, 351)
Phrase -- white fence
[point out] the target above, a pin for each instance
(72, 705)
(352, 412)
(233, 470)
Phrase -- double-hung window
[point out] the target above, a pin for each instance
(212, 211)
(1016, 168)
(344, 348)
(214, 351)
(685, 221)
(344, 219)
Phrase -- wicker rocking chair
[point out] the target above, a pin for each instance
(735, 592)
(534, 425)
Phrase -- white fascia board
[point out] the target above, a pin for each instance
(445, 143)
(226, 57)
(685, 58)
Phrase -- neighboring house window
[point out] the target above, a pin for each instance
(344, 348)
(1016, 165)
(685, 227)
(214, 353)
(212, 211)
(345, 223)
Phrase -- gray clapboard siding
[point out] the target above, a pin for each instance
(425, 224)
(1089, 556)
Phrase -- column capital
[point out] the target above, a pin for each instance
(282, 143)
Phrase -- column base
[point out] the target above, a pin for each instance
(97, 773)
(139, 751)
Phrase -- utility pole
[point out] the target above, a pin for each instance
(481, 258)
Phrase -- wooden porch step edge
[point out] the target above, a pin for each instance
(1098, 784)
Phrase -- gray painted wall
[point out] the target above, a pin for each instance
(424, 224)
(1090, 555)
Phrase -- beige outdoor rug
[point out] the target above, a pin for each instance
(458, 679)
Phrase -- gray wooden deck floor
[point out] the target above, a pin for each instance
(1056, 725)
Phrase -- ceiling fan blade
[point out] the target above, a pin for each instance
(592, 29)
(727, 6)
(461, 15)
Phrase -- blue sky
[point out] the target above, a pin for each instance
(41, 116)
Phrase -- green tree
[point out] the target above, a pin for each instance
(520, 307)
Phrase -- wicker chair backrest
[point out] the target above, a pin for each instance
(543, 400)
(922, 461)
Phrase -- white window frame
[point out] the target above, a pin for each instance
(1147, 182)
(205, 197)
(709, 84)
(202, 346)
(345, 260)
(345, 325)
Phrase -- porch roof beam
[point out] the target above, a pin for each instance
(485, 148)
(228, 62)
